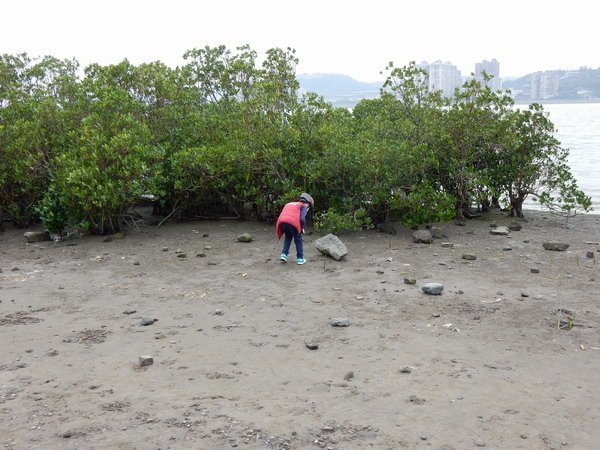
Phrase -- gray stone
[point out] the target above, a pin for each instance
(146, 321)
(433, 288)
(406, 369)
(515, 226)
(145, 360)
(340, 322)
(500, 231)
(535, 270)
(129, 311)
(422, 237)
(331, 245)
(469, 257)
(556, 246)
(37, 236)
(410, 281)
(437, 233)
(311, 345)
(246, 237)
(387, 228)
(589, 255)
(349, 376)
(447, 245)
(182, 255)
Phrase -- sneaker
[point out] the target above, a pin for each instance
(300, 260)
(283, 257)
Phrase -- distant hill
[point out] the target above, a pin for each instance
(339, 90)
(573, 85)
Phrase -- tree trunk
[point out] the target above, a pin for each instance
(516, 206)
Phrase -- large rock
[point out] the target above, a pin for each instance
(500, 231)
(37, 236)
(387, 228)
(556, 246)
(437, 233)
(331, 245)
(422, 236)
(246, 237)
(433, 288)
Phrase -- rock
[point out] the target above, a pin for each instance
(406, 369)
(507, 249)
(493, 225)
(182, 255)
(524, 294)
(145, 360)
(136, 263)
(146, 321)
(331, 245)
(433, 288)
(68, 434)
(114, 237)
(422, 237)
(36, 236)
(500, 231)
(447, 245)
(205, 235)
(410, 281)
(387, 228)
(589, 255)
(515, 226)
(349, 376)
(437, 233)
(129, 311)
(311, 345)
(246, 237)
(340, 322)
(535, 270)
(469, 257)
(416, 400)
(217, 312)
(165, 249)
(200, 255)
(556, 246)
(460, 223)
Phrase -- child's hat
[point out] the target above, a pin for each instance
(307, 198)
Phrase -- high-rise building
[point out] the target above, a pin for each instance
(544, 85)
(491, 68)
(443, 77)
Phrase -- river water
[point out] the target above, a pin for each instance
(578, 129)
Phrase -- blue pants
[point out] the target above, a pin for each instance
(291, 233)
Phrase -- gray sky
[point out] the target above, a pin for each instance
(354, 38)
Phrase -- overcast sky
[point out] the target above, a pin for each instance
(330, 36)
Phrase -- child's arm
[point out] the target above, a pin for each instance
(303, 213)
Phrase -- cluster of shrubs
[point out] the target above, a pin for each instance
(227, 132)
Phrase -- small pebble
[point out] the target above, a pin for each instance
(145, 360)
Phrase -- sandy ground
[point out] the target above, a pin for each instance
(485, 364)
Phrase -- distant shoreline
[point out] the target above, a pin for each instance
(561, 101)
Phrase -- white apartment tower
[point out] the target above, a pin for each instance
(544, 85)
(491, 68)
(443, 77)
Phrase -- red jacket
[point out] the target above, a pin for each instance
(290, 214)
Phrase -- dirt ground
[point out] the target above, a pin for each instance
(504, 358)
